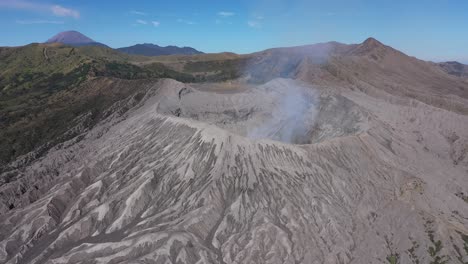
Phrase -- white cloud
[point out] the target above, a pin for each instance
(56, 10)
(225, 14)
(256, 21)
(188, 22)
(254, 24)
(30, 22)
(64, 12)
(144, 22)
(134, 12)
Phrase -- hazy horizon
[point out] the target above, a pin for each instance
(430, 31)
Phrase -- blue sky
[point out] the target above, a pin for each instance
(431, 30)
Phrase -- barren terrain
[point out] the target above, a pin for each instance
(340, 154)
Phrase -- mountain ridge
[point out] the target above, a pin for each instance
(78, 39)
(149, 49)
(455, 68)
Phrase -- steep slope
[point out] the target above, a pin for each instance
(147, 187)
(44, 87)
(74, 38)
(370, 65)
(378, 67)
(148, 49)
(170, 173)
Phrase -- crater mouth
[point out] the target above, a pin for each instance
(283, 110)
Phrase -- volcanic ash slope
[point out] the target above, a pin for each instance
(150, 187)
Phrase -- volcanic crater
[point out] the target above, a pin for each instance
(283, 110)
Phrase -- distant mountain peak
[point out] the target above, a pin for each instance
(73, 38)
(372, 42)
(371, 45)
(70, 37)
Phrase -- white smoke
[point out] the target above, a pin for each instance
(294, 110)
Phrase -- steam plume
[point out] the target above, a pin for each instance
(293, 115)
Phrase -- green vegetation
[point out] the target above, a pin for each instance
(216, 70)
(461, 255)
(434, 250)
(462, 196)
(159, 70)
(44, 88)
(412, 252)
(465, 242)
(393, 259)
(434, 253)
